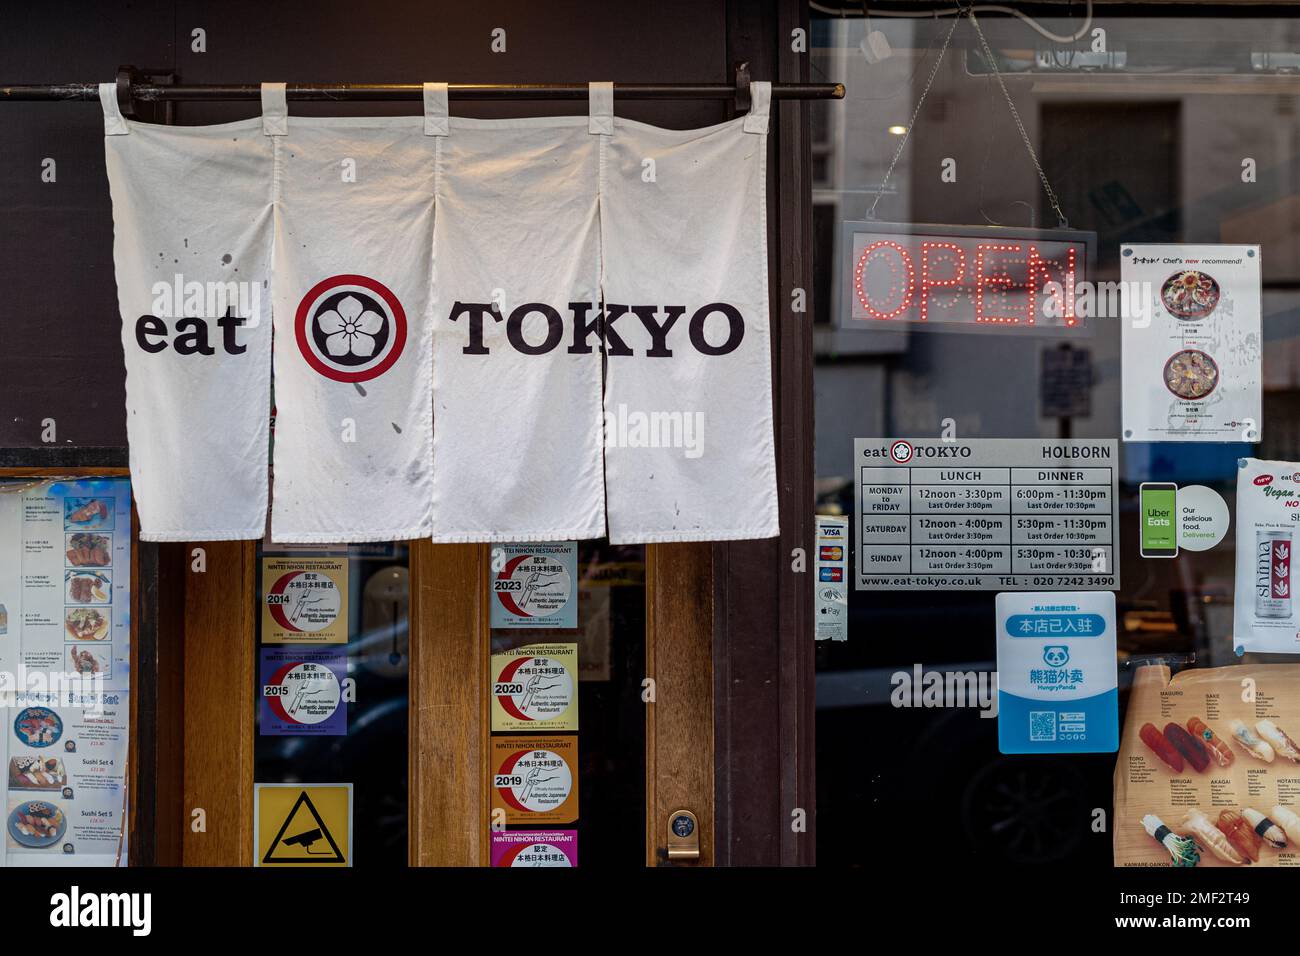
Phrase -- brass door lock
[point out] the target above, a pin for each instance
(683, 836)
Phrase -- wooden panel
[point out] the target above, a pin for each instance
(449, 795)
(164, 709)
(220, 655)
(679, 724)
(763, 646)
(795, 367)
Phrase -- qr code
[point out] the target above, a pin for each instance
(1042, 725)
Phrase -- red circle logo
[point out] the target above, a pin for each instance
(350, 328)
(901, 452)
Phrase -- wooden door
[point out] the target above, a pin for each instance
(448, 818)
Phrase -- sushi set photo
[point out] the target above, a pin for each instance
(38, 726)
(1235, 836)
(36, 824)
(36, 773)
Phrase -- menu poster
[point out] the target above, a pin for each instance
(65, 627)
(305, 600)
(66, 779)
(1192, 343)
(1209, 768)
(65, 581)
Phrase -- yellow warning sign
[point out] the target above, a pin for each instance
(302, 824)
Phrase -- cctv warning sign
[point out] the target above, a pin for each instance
(302, 824)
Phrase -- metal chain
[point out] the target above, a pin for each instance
(911, 123)
(1015, 114)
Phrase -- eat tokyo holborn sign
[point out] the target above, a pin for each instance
(963, 278)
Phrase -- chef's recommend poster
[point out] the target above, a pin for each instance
(303, 692)
(1191, 342)
(535, 687)
(535, 779)
(305, 600)
(535, 585)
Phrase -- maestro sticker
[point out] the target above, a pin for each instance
(350, 328)
(304, 600)
(534, 688)
(534, 779)
(533, 585)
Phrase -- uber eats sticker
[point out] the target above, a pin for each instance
(534, 585)
(535, 688)
(1057, 684)
(304, 600)
(535, 779)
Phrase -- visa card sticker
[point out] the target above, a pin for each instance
(832, 591)
(1057, 680)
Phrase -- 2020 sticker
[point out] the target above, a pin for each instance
(534, 687)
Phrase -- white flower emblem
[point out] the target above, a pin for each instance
(351, 329)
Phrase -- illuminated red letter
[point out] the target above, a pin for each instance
(894, 271)
(997, 280)
(928, 282)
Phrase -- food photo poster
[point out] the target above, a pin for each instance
(1192, 343)
(65, 626)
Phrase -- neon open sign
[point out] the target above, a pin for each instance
(975, 277)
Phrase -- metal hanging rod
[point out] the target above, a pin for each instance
(135, 86)
(149, 93)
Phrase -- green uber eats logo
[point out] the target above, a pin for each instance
(1159, 526)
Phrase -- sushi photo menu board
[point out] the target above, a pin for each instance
(65, 625)
(1209, 770)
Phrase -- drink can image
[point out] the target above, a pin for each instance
(1273, 574)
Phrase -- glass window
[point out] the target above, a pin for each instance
(332, 691)
(1169, 129)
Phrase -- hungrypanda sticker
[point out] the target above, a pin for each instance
(1057, 684)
